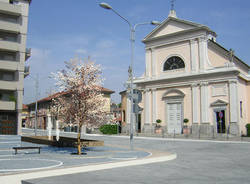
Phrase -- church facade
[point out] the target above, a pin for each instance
(190, 76)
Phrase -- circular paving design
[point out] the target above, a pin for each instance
(8, 165)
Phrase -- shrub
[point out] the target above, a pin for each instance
(248, 129)
(12, 98)
(185, 120)
(158, 121)
(108, 129)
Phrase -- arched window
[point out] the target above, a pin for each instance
(173, 63)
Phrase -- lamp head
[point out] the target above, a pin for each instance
(105, 6)
(156, 23)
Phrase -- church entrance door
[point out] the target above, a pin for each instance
(174, 118)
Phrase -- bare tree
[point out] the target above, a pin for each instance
(81, 98)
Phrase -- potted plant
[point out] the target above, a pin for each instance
(185, 127)
(158, 122)
(158, 129)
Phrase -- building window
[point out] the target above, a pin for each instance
(173, 63)
(7, 76)
(9, 56)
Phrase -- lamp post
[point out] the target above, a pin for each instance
(37, 87)
(130, 71)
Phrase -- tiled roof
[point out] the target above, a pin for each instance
(49, 98)
(25, 106)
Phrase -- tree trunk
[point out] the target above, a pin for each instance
(79, 147)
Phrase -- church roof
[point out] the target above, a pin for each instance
(192, 27)
(224, 49)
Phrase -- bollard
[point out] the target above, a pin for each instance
(199, 131)
(227, 133)
(213, 133)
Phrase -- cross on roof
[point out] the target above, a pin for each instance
(172, 4)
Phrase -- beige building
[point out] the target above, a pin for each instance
(44, 113)
(191, 76)
(13, 54)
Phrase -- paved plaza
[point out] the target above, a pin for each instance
(198, 161)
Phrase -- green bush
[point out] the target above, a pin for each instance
(248, 129)
(12, 98)
(108, 129)
(158, 121)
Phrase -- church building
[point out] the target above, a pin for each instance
(190, 76)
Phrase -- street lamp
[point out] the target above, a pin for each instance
(132, 41)
(37, 87)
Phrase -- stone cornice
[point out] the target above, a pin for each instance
(191, 76)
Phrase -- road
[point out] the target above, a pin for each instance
(197, 162)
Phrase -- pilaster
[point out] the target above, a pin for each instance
(154, 109)
(147, 63)
(202, 55)
(234, 115)
(204, 102)
(147, 106)
(195, 102)
(194, 63)
(153, 62)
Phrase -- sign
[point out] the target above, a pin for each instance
(137, 95)
(137, 108)
(221, 114)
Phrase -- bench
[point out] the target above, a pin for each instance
(26, 147)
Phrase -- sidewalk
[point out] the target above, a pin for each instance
(58, 161)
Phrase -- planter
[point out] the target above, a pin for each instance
(63, 141)
(185, 130)
(158, 130)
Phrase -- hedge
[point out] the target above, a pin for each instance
(248, 129)
(108, 129)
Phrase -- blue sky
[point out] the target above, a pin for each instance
(62, 29)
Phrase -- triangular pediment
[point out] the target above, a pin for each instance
(219, 103)
(172, 25)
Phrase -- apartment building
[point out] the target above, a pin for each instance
(13, 54)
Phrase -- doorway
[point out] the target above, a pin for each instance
(138, 123)
(220, 121)
(174, 116)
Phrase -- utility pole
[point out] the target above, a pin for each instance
(37, 87)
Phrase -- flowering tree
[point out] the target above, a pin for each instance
(81, 100)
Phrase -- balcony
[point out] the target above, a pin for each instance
(7, 105)
(9, 26)
(10, 9)
(9, 45)
(10, 65)
(9, 85)
(27, 53)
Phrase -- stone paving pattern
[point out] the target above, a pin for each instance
(197, 162)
